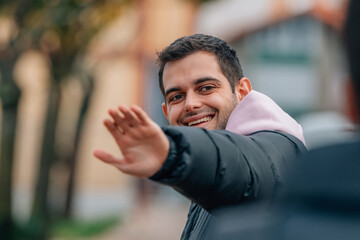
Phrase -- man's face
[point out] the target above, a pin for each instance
(197, 93)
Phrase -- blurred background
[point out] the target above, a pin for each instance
(63, 63)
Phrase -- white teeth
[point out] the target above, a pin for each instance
(204, 119)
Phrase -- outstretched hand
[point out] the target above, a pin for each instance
(143, 144)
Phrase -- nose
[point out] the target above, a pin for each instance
(192, 102)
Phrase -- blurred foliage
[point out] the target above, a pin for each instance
(70, 229)
(56, 26)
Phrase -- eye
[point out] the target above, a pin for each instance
(175, 98)
(206, 88)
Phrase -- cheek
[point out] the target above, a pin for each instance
(218, 101)
(173, 114)
(223, 104)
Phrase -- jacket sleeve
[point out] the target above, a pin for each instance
(217, 168)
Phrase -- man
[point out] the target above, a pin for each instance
(204, 87)
(322, 200)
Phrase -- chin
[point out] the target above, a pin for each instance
(209, 126)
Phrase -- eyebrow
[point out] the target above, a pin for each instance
(196, 82)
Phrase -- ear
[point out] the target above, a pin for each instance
(351, 102)
(243, 88)
(164, 107)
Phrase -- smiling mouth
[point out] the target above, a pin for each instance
(201, 120)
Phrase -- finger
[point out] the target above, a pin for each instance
(140, 114)
(110, 159)
(119, 120)
(107, 158)
(115, 130)
(131, 118)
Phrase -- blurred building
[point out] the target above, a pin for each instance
(291, 51)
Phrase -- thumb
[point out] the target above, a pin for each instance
(108, 158)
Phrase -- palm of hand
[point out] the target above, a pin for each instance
(143, 144)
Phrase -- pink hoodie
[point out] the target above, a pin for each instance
(257, 112)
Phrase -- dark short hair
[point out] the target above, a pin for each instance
(228, 61)
(352, 44)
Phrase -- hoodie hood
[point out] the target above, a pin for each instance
(256, 112)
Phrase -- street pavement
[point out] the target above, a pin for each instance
(160, 220)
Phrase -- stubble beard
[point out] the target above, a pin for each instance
(223, 118)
